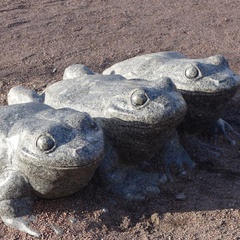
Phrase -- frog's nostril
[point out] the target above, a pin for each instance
(80, 152)
(86, 154)
(92, 124)
(228, 80)
(84, 148)
(88, 121)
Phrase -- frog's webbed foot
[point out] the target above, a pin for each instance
(16, 200)
(133, 184)
(221, 126)
(181, 162)
(14, 214)
(140, 185)
(21, 224)
(175, 156)
(20, 94)
(126, 180)
(199, 150)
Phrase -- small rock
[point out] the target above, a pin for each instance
(124, 226)
(144, 237)
(181, 196)
(54, 70)
(155, 219)
(57, 230)
(72, 220)
(105, 210)
(32, 218)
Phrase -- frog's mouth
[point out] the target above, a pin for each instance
(168, 123)
(229, 93)
(30, 158)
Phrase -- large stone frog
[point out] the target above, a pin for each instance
(45, 153)
(138, 118)
(206, 84)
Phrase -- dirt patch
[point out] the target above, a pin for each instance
(40, 38)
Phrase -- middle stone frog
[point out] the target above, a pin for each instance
(138, 118)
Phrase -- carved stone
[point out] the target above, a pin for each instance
(206, 84)
(46, 153)
(138, 118)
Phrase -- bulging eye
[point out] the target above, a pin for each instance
(46, 143)
(139, 98)
(191, 72)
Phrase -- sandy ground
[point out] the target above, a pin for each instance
(39, 39)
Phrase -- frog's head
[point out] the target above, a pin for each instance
(203, 76)
(57, 150)
(206, 85)
(144, 104)
(140, 118)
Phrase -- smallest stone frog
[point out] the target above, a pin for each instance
(44, 153)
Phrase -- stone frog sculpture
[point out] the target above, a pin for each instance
(138, 118)
(44, 153)
(206, 84)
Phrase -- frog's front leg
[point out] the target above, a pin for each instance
(221, 126)
(16, 201)
(174, 155)
(127, 180)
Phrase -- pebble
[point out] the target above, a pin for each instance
(105, 210)
(72, 220)
(32, 218)
(181, 196)
(54, 70)
(57, 230)
(155, 219)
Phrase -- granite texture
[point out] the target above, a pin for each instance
(139, 119)
(44, 153)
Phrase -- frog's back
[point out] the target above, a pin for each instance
(10, 114)
(85, 92)
(142, 66)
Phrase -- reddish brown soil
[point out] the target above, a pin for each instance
(40, 38)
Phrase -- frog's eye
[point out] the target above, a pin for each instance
(45, 142)
(139, 98)
(192, 72)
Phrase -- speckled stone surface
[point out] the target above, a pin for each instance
(44, 152)
(138, 118)
(206, 84)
